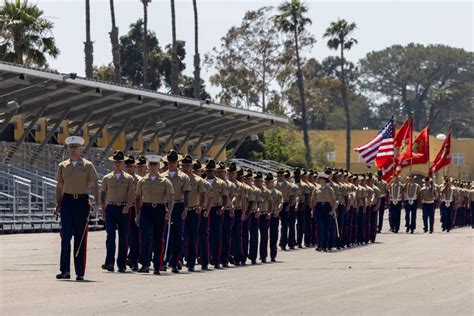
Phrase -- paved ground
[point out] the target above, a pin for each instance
(418, 274)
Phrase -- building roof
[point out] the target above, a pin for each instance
(39, 93)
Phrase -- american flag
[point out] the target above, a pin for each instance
(380, 149)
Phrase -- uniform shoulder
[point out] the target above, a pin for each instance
(110, 175)
(128, 176)
(183, 175)
(86, 162)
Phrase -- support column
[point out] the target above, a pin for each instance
(49, 135)
(99, 130)
(216, 137)
(135, 136)
(26, 132)
(224, 145)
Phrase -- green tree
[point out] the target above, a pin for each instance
(338, 33)
(146, 83)
(132, 57)
(88, 44)
(292, 20)
(248, 61)
(159, 65)
(435, 82)
(26, 36)
(197, 58)
(114, 40)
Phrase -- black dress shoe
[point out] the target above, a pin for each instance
(283, 248)
(163, 268)
(273, 260)
(292, 247)
(412, 231)
(431, 231)
(204, 268)
(264, 260)
(63, 276)
(254, 262)
(217, 266)
(135, 268)
(121, 270)
(243, 263)
(174, 270)
(237, 264)
(319, 249)
(79, 278)
(300, 246)
(225, 265)
(180, 266)
(157, 272)
(144, 269)
(191, 269)
(108, 267)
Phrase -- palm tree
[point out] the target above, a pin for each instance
(292, 21)
(115, 45)
(26, 36)
(338, 33)
(145, 43)
(88, 44)
(197, 58)
(174, 54)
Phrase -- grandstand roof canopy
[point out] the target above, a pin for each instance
(38, 93)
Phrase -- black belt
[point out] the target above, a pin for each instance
(192, 208)
(117, 203)
(322, 203)
(153, 205)
(76, 196)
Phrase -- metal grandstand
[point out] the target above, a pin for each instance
(27, 166)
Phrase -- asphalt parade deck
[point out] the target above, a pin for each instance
(420, 274)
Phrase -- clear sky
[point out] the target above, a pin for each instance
(380, 24)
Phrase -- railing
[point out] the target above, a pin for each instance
(27, 201)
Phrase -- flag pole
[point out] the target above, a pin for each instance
(412, 115)
(394, 132)
(449, 135)
(428, 132)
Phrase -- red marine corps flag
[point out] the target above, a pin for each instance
(443, 158)
(420, 149)
(404, 142)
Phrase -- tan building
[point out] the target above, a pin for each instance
(462, 151)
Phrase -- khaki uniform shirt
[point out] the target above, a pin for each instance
(217, 191)
(197, 186)
(154, 191)
(207, 187)
(303, 189)
(294, 191)
(412, 190)
(277, 198)
(396, 191)
(181, 183)
(370, 194)
(76, 179)
(428, 193)
(258, 197)
(285, 189)
(265, 197)
(324, 194)
(449, 193)
(240, 194)
(231, 192)
(382, 185)
(376, 195)
(118, 189)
